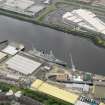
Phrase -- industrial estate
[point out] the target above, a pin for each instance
(51, 13)
(26, 76)
(35, 78)
(78, 17)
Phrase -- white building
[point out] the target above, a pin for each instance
(81, 103)
(33, 10)
(81, 87)
(9, 93)
(22, 64)
(21, 4)
(13, 48)
(86, 19)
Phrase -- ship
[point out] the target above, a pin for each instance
(48, 57)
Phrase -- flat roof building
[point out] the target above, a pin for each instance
(101, 104)
(21, 4)
(85, 18)
(22, 64)
(81, 103)
(54, 91)
(13, 48)
(35, 9)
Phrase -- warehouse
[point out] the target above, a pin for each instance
(81, 103)
(86, 19)
(13, 48)
(54, 91)
(21, 4)
(35, 9)
(22, 64)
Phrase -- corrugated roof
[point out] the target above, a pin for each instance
(22, 64)
(91, 21)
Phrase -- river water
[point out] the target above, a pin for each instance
(86, 55)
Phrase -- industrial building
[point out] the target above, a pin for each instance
(22, 64)
(13, 48)
(80, 87)
(20, 4)
(35, 9)
(81, 103)
(84, 18)
(87, 101)
(26, 7)
(54, 91)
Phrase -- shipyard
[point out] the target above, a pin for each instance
(28, 70)
(52, 52)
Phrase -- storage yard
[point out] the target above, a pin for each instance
(22, 69)
(54, 91)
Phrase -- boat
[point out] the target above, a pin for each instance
(48, 57)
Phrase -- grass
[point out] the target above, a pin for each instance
(41, 97)
(49, 9)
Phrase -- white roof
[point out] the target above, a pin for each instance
(72, 18)
(77, 20)
(47, 1)
(10, 50)
(2, 55)
(88, 18)
(36, 8)
(18, 94)
(9, 93)
(13, 76)
(81, 103)
(67, 14)
(22, 4)
(103, 32)
(22, 64)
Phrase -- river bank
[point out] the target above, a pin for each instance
(95, 37)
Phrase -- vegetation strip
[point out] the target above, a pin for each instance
(43, 98)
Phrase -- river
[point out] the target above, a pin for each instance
(86, 55)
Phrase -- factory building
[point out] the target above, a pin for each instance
(84, 18)
(22, 64)
(20, 4)
(33, 10)
(13, 48)
(26, 7)
(87, 101)
(54, 91)
(80, 87)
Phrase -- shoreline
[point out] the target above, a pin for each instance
(95, 37)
